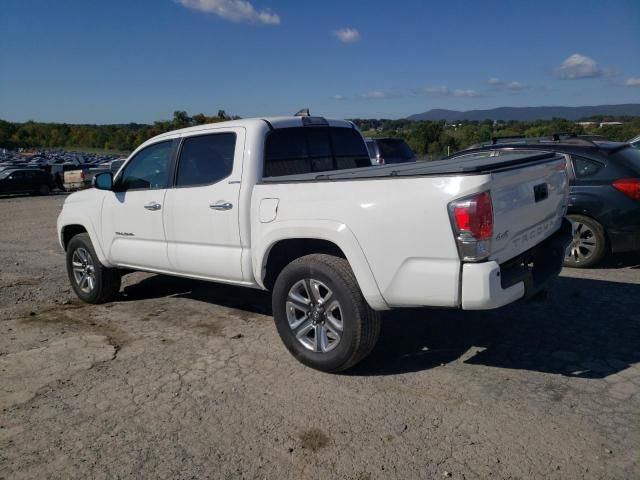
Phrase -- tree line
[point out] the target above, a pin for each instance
(430, 139)
(121, 137)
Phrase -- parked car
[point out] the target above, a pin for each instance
(293, 205)
(635, 142)
(384, 151)
(77, 179)
(81, 177)
(24, 180)
(604, 204)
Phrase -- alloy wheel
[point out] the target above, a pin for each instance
(314, 315)
(84, 272)
(583, 245)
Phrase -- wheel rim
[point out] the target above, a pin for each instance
(314, 315)
(84, 272)
(584, 243)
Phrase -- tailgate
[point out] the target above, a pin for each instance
(73, 176)
(529, 203)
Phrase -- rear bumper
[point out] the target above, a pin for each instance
(491, 285)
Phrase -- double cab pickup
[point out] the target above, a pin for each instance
(293, 205)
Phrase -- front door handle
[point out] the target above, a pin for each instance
(221, 206)
(153, 206)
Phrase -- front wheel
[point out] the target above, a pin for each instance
(321, 315)
(589, 243)
(91, 281)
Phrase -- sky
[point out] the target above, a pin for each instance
(121, 61)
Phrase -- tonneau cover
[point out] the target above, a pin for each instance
(480, 162)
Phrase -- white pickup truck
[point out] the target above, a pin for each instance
(292, 205)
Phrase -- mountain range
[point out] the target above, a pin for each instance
(531, 113)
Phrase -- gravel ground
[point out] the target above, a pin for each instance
(185, 379)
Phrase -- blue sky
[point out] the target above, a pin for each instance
(120, 61)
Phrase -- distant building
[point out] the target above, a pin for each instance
(587, 124)
(602, 124)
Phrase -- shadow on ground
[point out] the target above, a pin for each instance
(622, 260)
(159, 286)
(585, 328)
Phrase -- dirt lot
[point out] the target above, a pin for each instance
(184, 379)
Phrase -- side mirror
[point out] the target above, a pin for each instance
(103, 181)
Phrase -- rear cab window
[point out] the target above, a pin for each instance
(300, 150)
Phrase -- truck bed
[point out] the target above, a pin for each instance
(479, 163)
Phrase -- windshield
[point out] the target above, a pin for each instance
(395, 151)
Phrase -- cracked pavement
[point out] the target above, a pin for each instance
(187, 379)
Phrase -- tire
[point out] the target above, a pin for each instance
(44, 190)
(589, 244)
(88, 270)
(341, 328)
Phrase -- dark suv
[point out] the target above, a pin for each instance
(604, 201)
(24, 180)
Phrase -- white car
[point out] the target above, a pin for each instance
(292, 205)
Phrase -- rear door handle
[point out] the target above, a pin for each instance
(221, 206)
(153, 206)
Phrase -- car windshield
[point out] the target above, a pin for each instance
(395, 151)
(631, 157)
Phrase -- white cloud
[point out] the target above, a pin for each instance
(632, 82)
(375, 94)
(513, 86)
(380, 95)
(465, 93)
(339, 97)
(517, 86)
(233, 10)
(347, 35)
(578, 66)
(444, 91)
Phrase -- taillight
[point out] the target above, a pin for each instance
(472, 220)
(628, 186)
(82, 176)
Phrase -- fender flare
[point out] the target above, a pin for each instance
(332, 231)
(88, 226)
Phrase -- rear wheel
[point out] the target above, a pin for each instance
(589, 244)
(321, 315)
(44, 190)
(91, 281)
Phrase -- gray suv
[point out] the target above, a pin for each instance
(383, 151)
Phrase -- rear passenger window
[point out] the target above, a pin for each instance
(294, 151)
(584, 167)
(205, 159)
